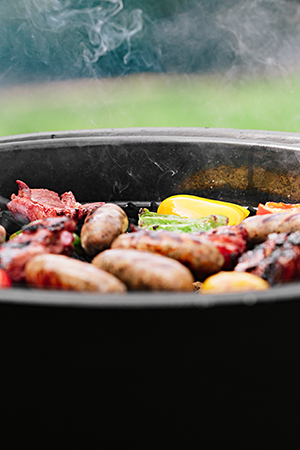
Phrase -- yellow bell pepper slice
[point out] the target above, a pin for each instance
(191, 206)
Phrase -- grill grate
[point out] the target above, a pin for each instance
(132, 209)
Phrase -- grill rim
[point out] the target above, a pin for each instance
(278, 140)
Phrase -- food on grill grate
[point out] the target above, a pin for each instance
(52, 235)
(277, 260)
(197, 207)
(2, 234)
(223, 282)
(198, 254)
(5, 281)
(231, 243)
(259, 227)
(62, 272)
(154, 221)
(33, 204)
(141, 270)
(142, 258)
(277, 207)
(101, 227)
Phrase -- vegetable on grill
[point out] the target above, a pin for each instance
(274, 208)
(191, 206)
(154, 221)
(205, 237)
(224, 282)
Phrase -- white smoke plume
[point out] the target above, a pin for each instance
(57, 39)
(237, 36)
(67, 33)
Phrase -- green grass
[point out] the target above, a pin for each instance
(153, 101)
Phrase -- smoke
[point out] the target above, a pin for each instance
(231, 36)
(61, 39)
(65, 38)
(263, 35)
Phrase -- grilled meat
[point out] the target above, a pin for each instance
(231, 241)
(2, 234)
(204, 253)
(259, 227)
(52, 235)
(141, 270)
(200, 256)
(101, 227)
(33, 204)
(277, 260)
(61, 272)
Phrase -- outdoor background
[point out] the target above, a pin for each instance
(76, 64)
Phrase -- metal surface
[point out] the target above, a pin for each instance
(156, 370)
(243, 166)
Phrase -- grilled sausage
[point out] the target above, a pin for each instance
(200, 256)
(259, 227)
(101, 227)
(2, 234)
(141, 270)
(62, 272)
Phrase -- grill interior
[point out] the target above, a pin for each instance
(139, 168)
(151, 364)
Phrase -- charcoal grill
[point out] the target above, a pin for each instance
(210, 369)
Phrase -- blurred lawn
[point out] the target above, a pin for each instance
(152, 101)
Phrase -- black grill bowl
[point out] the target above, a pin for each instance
(173, 370)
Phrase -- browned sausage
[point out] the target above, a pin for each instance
(202, 257)
(101, 227)
(141, 270)
(62, 272)
(2, 234)
(259, 227)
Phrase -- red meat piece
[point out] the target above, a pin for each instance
(33, 204)
(51, 235)
(231, 241)
(277, 260)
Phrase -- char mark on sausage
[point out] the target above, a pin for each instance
(199, 255)
(61, 272)
(141, 270)
(101, 227)
(259, 227)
